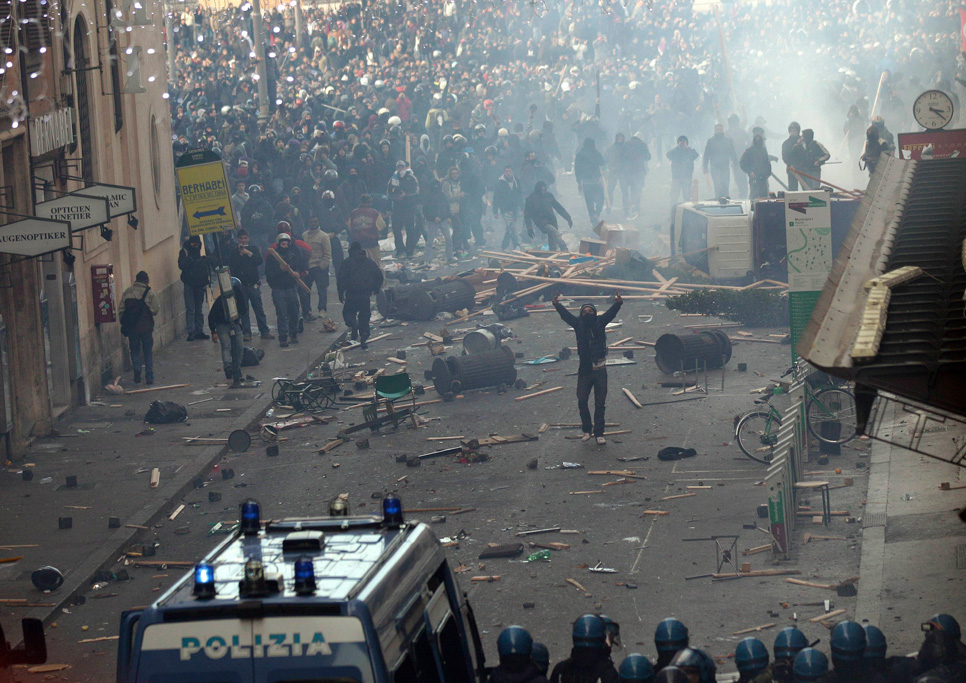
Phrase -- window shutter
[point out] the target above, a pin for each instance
(7, 23)
(34, 24)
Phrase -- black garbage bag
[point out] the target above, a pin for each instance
(675, 453)
(251, 356)
(165, 412)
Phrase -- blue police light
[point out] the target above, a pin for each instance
(392, 514)
(204, 581)
(304, 576)
(251, 517)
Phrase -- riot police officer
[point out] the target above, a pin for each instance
(515, 647)
(809, 665)
(671, 674)
(697, 664)
(789, 642)
(751, 658)
(589, 660)
(848, 647)
(670, 637)
(541, 657)
(636, 669)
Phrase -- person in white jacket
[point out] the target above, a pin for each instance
(319, 262)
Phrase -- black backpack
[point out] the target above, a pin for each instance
(132, 313)
(165, 412)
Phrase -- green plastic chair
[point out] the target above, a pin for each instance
(394, 387)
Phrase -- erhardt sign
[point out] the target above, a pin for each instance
(34, 236)
(79, 210)
(51, 131)
(122, 200)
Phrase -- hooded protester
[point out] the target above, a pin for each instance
(875, 147)
(195, 274)
(591, 333)
(757, 164)
(358, 279)
(353, 188)
(814, 155)
(539, 211)
(281, 266)
(226, 330)
(793, 154)
(334, 222)
(403, 190)
(589, 173)
(244, 260)
(143, 302)
(719, 157)
(508, 202)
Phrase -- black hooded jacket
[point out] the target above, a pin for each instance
(540, 206)
(585, 665)
(359, 277)
(591, 334)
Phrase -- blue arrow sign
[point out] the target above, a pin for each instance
(220, 211)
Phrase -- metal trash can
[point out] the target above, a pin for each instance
(675, 352)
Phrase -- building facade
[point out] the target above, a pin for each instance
(82, 102)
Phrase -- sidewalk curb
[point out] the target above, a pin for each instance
(78, 579)
(868, 606)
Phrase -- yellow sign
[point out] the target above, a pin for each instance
(206, 197)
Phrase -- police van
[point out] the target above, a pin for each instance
(350, 599)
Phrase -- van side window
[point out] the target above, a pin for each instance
(405, 671)
(455, 666)
(425, 662)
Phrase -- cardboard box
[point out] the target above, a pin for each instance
(616, 235)
(593, 247)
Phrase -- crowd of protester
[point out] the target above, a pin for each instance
(525, 85)
(856, 654)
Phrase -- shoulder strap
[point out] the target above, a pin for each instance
(146, 290)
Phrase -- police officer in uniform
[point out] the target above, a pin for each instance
(671, 674)
(810, 665)
(670, 637)
(751, 658)
(636, 669)
(848, 648)
(515, 647)
(697, 664)
(541, 657)
(589, 660)
(789, 642)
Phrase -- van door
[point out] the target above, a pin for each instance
(310, 650)
(209, 651)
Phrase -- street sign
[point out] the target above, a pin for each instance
(808, 234)
(34, 236)
(81, 211)
(933, 144)
(205, 193)
(122, 200)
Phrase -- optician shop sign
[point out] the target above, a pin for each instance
(122, 200)
(81, 211)
(34, 236)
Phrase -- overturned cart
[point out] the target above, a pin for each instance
(474, 371)
(423, 300)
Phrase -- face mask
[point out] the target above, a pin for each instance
(328, 202)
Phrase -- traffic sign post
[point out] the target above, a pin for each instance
(205, 193)
(34, 237)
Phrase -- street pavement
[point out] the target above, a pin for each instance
(99, 445)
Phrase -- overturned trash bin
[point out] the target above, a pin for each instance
(682, 352)
(486, 338)
(423, 300)
(474, 371)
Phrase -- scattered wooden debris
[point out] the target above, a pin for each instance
(827, 615)
(538, 393)
(631, 397)
(575, 584)
(754, 629)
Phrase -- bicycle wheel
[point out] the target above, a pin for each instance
(831, 416)
(757, 435)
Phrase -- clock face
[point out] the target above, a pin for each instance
(933, 109)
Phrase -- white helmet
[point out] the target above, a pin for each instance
(282, 236)
(394, 121)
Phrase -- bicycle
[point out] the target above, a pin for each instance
(829, 415)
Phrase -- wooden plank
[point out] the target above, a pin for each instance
(585, 493)
(827, 615)
(757, 549)
(538, 393)
(575, 584)
(631, 397)
(144, 391)
(155, 477)
(177, 511)
(680, 495)
(163, 563)
(810, 584)
(656, 513)
(445, 438)
(754, 629)
(332, 445)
